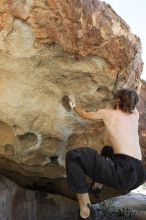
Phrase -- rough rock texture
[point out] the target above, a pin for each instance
(49, 49)
(142, 121)
(127, 207)
(21, 204)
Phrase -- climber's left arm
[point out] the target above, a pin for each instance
(89, 115)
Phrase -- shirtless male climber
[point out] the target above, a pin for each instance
(119, 166)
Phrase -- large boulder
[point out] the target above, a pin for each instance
(50, 49)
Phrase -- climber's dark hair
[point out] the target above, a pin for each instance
(126, 99)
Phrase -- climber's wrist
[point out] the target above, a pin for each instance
(73, 106)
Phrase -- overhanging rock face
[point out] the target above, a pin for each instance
(50, 49)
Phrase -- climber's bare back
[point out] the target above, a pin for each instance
(123, 131)
(122, 128)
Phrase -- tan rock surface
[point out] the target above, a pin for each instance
(142, 121)
(50, 49)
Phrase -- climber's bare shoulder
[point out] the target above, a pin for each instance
(136, 112)
(105, 113)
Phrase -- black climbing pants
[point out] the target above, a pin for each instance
(118, 171)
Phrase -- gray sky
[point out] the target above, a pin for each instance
(134, 13)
